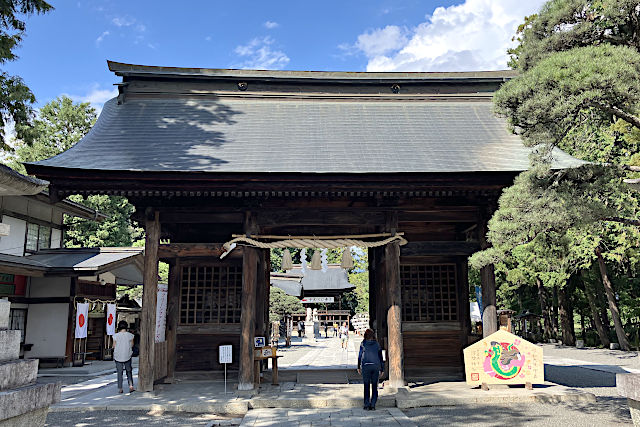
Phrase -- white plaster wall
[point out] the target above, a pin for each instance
(49, 287)
(47, 330)
(56, 238)
(13, 244)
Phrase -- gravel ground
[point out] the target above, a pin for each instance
(628, 359)
(135, 418)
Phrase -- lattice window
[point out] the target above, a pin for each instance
(429, 293)
(210, 294)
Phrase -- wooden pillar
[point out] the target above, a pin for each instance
(250, 259)
(261, 291)
(373, 290)
(173, 313)
(71, 323)
(149, 295)
(394, 314)
(488, 281)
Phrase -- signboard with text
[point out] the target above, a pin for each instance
(224, 354)
(311, 300)
(259, 342)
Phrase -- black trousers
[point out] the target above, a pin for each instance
(370, 375)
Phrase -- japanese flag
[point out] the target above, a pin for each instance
(82, 319)
(111, 319)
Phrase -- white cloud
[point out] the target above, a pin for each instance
(382, 41)
(258, 54)
(123, 21)
(474, 35)
(101, 37)
(208, 38)
(270, 25)
(96, 96)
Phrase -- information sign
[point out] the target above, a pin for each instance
(224, 355)
(310, 300)
(259, 342)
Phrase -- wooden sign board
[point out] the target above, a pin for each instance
(503, 358)
(268, 352)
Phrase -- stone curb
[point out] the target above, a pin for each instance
(385, 402)
(231, 408)
(406, 403)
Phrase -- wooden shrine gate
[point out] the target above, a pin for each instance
(206, 154)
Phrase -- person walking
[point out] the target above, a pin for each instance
(335, 329)
(344, 335)
(370, 366)
(122, 351)
(300, 328)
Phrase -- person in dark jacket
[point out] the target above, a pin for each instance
(370, 365)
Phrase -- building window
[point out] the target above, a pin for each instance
(210, 294)
(18, 321)
(429, 293)
(38, 237)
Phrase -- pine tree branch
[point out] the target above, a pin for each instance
(612, 109)
(628, 221)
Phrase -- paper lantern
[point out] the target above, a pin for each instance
(287, 262)
(347, 261)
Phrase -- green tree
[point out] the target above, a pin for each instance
(579, 90)
(16, 99)
(281, 304)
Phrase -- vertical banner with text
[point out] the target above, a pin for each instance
(111, 319)
(161, 312)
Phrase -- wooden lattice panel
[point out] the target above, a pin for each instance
(429, 293)
(210, 294)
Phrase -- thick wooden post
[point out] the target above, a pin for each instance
(149, 296)
(394, 314)
(173, 312)
(488, 281)
(250, 259)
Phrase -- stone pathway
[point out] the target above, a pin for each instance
(326, 417)
(325, 353)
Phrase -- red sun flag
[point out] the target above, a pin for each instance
(82, 313)
(110, 319)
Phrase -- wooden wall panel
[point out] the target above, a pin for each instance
(433, 349)
(199, 352)
(160, 360)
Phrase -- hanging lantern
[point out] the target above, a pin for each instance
(316, 261)
(347, 261)
(287, 262)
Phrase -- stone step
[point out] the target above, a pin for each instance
(17, 373)
(16, 402)
(317, 402)
(9, 345)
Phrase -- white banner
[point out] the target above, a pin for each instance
(111, 319)
(310, 300)
(161, 312)
(82, 319)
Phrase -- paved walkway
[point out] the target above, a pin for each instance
(326, 417)
(324, 353)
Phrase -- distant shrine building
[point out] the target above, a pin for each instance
(206, 154)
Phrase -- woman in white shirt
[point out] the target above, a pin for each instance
(122, 351)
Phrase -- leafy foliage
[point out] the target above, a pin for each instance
(281, 304)
(15, 97)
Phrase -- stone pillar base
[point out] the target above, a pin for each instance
(33, 418)
(634, 408)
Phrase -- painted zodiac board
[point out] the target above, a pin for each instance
(503, 358)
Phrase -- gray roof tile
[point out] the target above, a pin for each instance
(209, 134)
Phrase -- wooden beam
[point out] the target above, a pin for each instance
(181, 250)
(394, 315)
(173, 313)
(149, 297)
(439, 248)
(248, 309)
(319, 217)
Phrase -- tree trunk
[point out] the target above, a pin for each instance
(583, 333)
(613, 306)
(554, 313)
(542, 295)
(566, 316)
(597, 321)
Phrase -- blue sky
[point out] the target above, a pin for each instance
(65, 51)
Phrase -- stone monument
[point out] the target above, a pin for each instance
(22, 402)
(309, 334)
